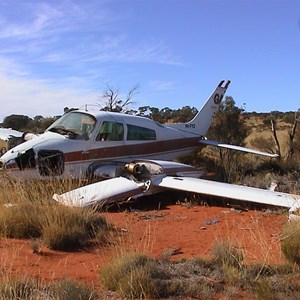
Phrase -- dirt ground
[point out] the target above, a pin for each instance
(159, 228)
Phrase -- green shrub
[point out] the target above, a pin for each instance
(133, 275)
(60, 227)
(29, 289)
(20, 288)
(20, 221)
(263, 289)
(67, 228)
(69, 290)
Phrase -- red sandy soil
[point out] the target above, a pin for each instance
(181, 231)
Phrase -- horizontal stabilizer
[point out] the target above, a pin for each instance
(238, 148)
(226, 190)
(111, 190)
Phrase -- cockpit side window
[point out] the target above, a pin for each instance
(137, 133)
(110, 131)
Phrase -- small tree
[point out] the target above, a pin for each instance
(17, 122)
(228, 127)
(168, 115)
(45, 123)
(184, 114)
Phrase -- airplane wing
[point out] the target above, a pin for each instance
(7, 133)
(238, 148)
(112, 190)
(227, 190)
(149, 177)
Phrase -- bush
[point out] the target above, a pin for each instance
(60, 227)
(27, 288)
(20, 221)
(27, 212)
(20, 288)
(67, 228)
(69, 290)
(133, 275)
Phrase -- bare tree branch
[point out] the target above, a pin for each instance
(112, 99)
(291, 138)
(273, 128)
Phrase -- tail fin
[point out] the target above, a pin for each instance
(202, 121)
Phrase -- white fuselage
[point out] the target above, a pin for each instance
(147, 140)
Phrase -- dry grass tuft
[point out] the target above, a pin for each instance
(226, 254)
(66, 228)
(28, 289)
(69, 290)
(290, 242)
(20, 288)
(27, 211)
(133, 275)
(20, 221)
(60, 227)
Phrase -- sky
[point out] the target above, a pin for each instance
(64, 53)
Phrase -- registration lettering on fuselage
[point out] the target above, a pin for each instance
(190, 126)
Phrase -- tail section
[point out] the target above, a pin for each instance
(202, 121)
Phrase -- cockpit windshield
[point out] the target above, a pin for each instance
(76, 125)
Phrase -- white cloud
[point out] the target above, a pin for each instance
(32, 25)
(33, 97)
(158, 85)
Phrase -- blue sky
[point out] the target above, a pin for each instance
(58, 53)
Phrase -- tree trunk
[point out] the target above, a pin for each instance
(278, 151)
(291, 139)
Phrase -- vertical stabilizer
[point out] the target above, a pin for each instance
(203, 119)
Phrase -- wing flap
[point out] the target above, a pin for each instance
(231, 191)
(111, 190)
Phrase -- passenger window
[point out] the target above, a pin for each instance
(137, 133)
(110, 131)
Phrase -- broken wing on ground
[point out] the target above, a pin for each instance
(151, 181)
(106, 191)
(231, 191)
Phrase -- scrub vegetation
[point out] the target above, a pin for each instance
(30, 213)
(137, 275)
(29, 289)
(27, 212)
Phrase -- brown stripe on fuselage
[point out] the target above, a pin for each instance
(133, 150)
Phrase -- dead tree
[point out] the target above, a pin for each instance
(112, 99)
(273, 128)
(292, 132)
(291, 136)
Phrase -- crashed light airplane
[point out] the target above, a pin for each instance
(133, 153)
